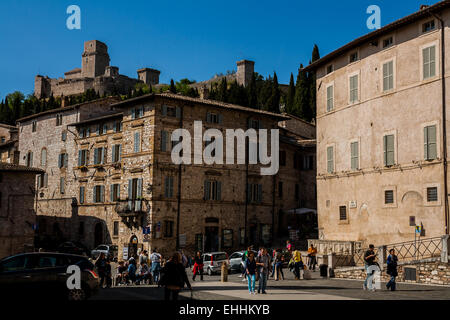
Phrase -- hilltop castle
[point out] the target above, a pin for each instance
(97, 74)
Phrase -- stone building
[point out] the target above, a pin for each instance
(9, 144)
(95, 73)
(17, 213)
(109, 176)
(381, 132)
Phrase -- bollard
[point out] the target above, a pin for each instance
(224, 272)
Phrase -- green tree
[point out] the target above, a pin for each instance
(252, 93)
(222, 94)
(172, 87)
(290, 95)
(301, 99)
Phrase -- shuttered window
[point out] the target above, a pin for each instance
(98, 194)
(164, 140)
(389, 196)
(137, 142)
(330, 100)
(43, 157)
(254, 193)
(354, 155)
(82, 192)
(116, 153)
(212, 190)
(62, 185)
(354, 89)
(168, 187)
(432, 194)
(430, 147)
(330, 160)
(342, 213)
(115, 192)
(83, 157)
(389, 152)
(388, 76)
(63, 160)
(100, 155)
(429, 62)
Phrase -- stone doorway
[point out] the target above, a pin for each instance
(211, 239)
(133, 247)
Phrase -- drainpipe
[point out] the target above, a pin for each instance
(273, 206)
(179, 190)
(444, 120)
(246, 185)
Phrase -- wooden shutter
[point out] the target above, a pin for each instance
(330, 165)
(79, 157)
(139, 188)
(114, 159)
(219, 191)
(208, 117)
(60, 160)
(130, 189)
(137, 142)
(94, 194)
(388, 144)
(111, 193)
(354, 155)
(45, 180)
(81, 194)
(120, 152)
(164, 141)
(206, 189)
(66, 160)
(178, 112)
(96, 156)
(259, 193)
(430, 146)
(164, 110)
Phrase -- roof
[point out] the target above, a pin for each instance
(62, 109)
(76, 70)
(7, 126)
(8, 143)
(18, 168)
(91, 120)
(297, 141)
(380, 32)
(214, 103)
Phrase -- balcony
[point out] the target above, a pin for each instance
(131, 208)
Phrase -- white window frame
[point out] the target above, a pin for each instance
(386, 188)
(330, 85)
(394, 64)
(437, 60)
(437, 203)
(358, 98)
(438, 138)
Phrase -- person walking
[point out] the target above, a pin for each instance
(143, 258)
(298, 263)
(174, 277)
(264, 263)
(250, 270)
(369, 260)
(198, 266)
(288, 246)
(312, 252)
(100, 264)
(244, 261)
(279, 260)
(132, 270)
(392, 269)
(155, 259)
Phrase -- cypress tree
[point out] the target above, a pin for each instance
(252, 93)
(312, 83)
(290, 95)
(222, 94)
(273, 104)
(301, 99)
(172, 88)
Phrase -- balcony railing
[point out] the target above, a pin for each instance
(130, 207)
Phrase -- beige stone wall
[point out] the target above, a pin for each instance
(17, 214)
(404, 111)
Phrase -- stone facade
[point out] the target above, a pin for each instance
(95, 73)
(380, 131)
(9, 144)
(110, 201)
(17, 208)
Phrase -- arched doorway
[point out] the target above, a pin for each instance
(133, 246)
(211, 234)
(98, 234)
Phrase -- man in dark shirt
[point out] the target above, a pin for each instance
(369, 260)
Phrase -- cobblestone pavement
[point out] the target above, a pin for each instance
(315, 289)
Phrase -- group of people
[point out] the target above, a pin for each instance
(391, 263)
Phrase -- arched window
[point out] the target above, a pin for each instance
(43, 157)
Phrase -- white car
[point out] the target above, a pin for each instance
(212, 262)
(108, 249)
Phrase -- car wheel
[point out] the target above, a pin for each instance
(209, 272)
(77, 295)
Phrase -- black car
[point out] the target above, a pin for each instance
(44, 275)
(73, 248)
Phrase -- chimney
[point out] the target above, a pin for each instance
(423, 6)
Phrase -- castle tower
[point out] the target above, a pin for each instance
(148, 76)
(95, 59)
(245, 69)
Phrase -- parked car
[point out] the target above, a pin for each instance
(73, 248)
(108, 249)
(236, 262)
(42, 275)
(212, 262)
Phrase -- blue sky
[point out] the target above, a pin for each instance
(182, 39)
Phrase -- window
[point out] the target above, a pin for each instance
(84, 132)
(354, 57)
(214, 118)
(168, 187)
(297, 191)
(330, 160)
(64, 135)
(42, 180)
(388, 42)
(116, 153)
(388, 76)
(99, 155)
(62, 183)
(428, 26)
(354, 89)
(280, 189)
(254, 193)
(3, 139)
(430, 147)
(282, 158)
(212, 190)
(29, 159)
(389, 196)
(227, 238)
(33, 126)
(59, 119)
(308, 163)
(171, 111)
(105, 128)
(115, 192)
(116, 229)
(63, 160)
(354, 155)
(330, 69)
(297, 161)
(137, 142)
(429, 62)
(330, 100)
(432, 194)
(135, 188)
(164, 140)
(168, 229)
(117, 126)
(137, 112)
(82, 195)
(43, 157)
(342, 213)
(83, 157)
(388, 145)
(99, 194)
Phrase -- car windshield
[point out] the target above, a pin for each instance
(102, 248)
(220, 256)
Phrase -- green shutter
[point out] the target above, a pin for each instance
(114, 159)
(164, 141)
(96, 156)
(330, 160)
(206, 190)
(66, 160)
(130, 189)
(94, 195)
(219, 191)
(111, 192)
(120, 152)
(430, 145)
(220, 117)
(389, 152)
